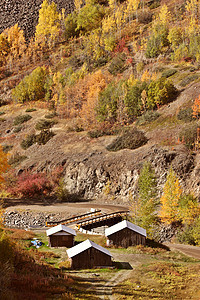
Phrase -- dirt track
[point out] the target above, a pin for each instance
(68, 208)
(192, 251)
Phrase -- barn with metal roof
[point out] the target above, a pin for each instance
(61, 236)
(87, 255)
(125, 234)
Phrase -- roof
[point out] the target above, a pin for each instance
(125, 224)
(58, 228)
(84, 246)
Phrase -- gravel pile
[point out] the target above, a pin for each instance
(26, 219)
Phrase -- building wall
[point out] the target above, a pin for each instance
(125, 238)
(26, 13)
(90, 258)
(61, 241)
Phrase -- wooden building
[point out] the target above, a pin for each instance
(125, 234)
(88, 255)
(61, 236)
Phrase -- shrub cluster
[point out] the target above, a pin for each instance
(16, 159)
(188, 135)
(42, 138)
(188, 80)
(185, 115)
(147, 117)
(130, 140)
(31, 109)
(169, 72)
(7, 148)
(118, 64)
(21, 119)
(44, 124)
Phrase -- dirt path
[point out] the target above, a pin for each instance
(192, 251)
(68, 208)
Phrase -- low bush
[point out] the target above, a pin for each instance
(118, 65)
(7, 148)
(44, 136)
(169, 72)
(185, 115)
(188, 135)
(51, 115)
(16, 159)
(44, 124)
(190, 234)
(3, 102)
(188, 80)
(17, 129)
(2, 113)
(21, 119)
(130, 140)
(31, 109)
(144, 16)
(32, 185)
(147, 117)
(28, 141)
(104, 129)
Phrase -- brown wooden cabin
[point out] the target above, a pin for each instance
(125, 234)
(88, 255)
(61, 236)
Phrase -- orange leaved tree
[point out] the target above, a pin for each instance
(3, 164)
(196, 108)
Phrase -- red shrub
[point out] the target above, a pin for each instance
(32, 185)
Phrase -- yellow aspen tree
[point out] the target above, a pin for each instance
(132, 6)
(164, 16)
(78, 4)
(170, 199)
(48, 28)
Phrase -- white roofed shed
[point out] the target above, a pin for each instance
(125, 234)
(61, 236)
(89, 255)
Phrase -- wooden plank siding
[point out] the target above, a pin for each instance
(125, 238)
(90, 259)
(61, 241)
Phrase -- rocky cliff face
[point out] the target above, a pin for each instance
(25, 13)
(116, 175)
(94, 172)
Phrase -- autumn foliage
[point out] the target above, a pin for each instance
(196, 108)
(3, 164)
(170, 199)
